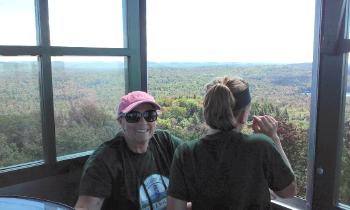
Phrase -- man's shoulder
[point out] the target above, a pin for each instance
(162, 133)
(107, 153)
(165, 143)
(164, 137)
(110, 146)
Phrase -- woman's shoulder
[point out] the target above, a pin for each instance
(186, 150)
(258, 138)
(189, 146)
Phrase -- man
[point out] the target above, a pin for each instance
(130, 171)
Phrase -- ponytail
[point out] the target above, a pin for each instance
(219, 104)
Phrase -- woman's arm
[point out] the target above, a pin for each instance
(89, 203)
(287, 192)
(176, 204)
(268, 125)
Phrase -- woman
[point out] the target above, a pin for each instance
(227, 169)
(130, 171)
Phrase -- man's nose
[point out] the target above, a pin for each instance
(142, 120)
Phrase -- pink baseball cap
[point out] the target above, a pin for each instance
(133, 99)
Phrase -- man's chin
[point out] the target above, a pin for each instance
(143, 137)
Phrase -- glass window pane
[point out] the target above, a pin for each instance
(20, 122)
(83, 23)
(344, 185)
(263, 42)
(17, 18)
(86, 91)
(344, 190)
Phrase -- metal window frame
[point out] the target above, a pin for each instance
(134, 51)
(327, 105)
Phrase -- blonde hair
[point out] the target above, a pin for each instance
(219, 102)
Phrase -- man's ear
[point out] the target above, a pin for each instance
(119, 120)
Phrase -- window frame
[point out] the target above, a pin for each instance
(134, 52)
(327, 104)
(327, 101)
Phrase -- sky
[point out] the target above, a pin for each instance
(268, 31)
(231, 30)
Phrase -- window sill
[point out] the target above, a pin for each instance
(38, 169)
(290, 203)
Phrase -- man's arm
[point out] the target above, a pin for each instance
(89, 203)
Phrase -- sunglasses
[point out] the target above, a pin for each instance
(135, 116)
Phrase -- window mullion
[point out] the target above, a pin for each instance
(135, 41)
(330, 108)
(45, 82)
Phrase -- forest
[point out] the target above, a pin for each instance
(85, 98)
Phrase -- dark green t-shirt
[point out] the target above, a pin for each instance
(128, 180)
(228, 170)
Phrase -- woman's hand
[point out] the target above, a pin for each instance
(267, 125)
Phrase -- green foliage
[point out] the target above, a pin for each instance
(263, 107)
(84, 128)
(20, 137)
(85, 102)
(344, 195)
(80, 138)
(344, 185)
(294, 140)
(9, 154)
(182, 116)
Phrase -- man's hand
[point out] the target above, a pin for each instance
(89, 203)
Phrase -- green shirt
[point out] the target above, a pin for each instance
(128, 180)
(228, 170)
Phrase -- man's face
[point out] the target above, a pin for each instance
(139, 132)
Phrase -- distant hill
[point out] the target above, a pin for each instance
(198, 64)
(108, 65)
(93, 65)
